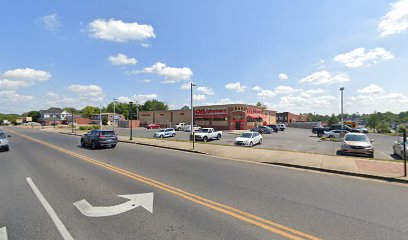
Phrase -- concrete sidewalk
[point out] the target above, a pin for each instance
(354, 166)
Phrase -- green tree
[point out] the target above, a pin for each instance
(261, 105)
(88, 111)
(383, 127)
(35, 115)
(373, 120)
(104, 120)
(332, 120)
(71, 109)
(185, 108)
(154, 105)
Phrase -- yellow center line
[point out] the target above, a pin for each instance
(234, 212)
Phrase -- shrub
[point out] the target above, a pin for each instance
(400, 129)
(83, 128)
(95, 127)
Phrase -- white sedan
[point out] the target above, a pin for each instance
(167, 132)
(249, 139)
(334, 133)
(398, 148)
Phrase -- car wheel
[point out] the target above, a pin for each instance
(93, 145)
(113, 146)
(83, 145)
(331, 136)
(161, 136)
(205, 139)
(251, 144)
(260, 141)
(219, 137)
(7, 149)
(372, 155)
(174, 135)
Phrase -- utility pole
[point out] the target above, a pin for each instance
(342, 122)
(100, 116)
(114, 113)
(192, 113)
(131, 118)
(72, 120)
(404, 139)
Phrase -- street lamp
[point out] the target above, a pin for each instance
(130, 118)
(192, 112)
(114, 113)
(342, 123)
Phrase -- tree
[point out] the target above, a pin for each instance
(154, 105)
(104, 120)
(35, 115)
(261, 105)
(71, 109)
(332, 120)
(383, 127)
(373, 121)
(88, 111)
(185, 108)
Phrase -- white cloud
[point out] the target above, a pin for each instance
(145, 45)
(381, 102)
(147, 80)
(360, 57)
(266, 94)
(185, 86)
(27, 74)
(257, 89)
(170, 74)
(304, 103)
(283, 76)
(51, 22)
(12, 96)
(199, 97)
(51, 95)
(122, 59)
(8, 84)
(396, 20)
(140, 98)
(324, 77)
(236, 87)
(285, 90)
(279, 90)
(371, 89)
(205, 90)
(119, 31)
(92, 91)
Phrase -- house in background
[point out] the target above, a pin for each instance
(95, 119)
(54, 116)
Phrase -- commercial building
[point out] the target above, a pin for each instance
(287, 117)
(222, 117)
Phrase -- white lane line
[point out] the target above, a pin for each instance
(3, 233)
(61, 228)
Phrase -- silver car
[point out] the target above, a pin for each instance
(357, 144)
(398, 147)
(4, 144)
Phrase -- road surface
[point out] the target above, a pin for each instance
(195, 196)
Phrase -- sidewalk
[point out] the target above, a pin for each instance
(354, 166)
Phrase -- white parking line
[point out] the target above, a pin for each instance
(60, 226)
(3, 233)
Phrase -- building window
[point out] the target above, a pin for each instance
(181, 114)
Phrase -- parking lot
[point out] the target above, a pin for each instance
(292, 139)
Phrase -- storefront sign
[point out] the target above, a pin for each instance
(210, 111)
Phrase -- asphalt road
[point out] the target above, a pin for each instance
(292, 139)
(280, 200)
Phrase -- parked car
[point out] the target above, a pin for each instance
(398, 147)
(99, 138)
(334, 133)
(249, 139)
(262, 130)
(274, 127)
(362, 130)
(358, 144)
(180, 126)
(153, 126)
(281, 126)
(205, 134)
(4, 143)
(167, 132)
(187, 128)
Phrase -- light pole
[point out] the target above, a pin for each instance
(342, 123)
(100, 116)
(192, 113)
(130, 118)
(114, 113)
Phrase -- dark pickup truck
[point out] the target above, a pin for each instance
(320, 130)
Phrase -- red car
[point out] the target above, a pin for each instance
(153, 126)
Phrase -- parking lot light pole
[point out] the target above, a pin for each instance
(130, 118)
(114, 113)
(192, 113)
(342, 122)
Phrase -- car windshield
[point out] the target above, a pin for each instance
(2, 135)
(356, 138)
(161, 130)
(246, 135)
(108, 133)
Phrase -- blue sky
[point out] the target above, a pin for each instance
(291, 55)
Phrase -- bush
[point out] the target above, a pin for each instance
(96, 127)
(400, 129)
(82, 128)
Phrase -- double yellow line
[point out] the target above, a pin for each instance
(231, 211)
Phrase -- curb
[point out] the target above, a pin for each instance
(146, 144)
(361, 175)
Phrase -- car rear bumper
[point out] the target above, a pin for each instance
(107, 143)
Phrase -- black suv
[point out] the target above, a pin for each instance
(99, 138)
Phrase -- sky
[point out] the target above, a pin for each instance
(291, 55)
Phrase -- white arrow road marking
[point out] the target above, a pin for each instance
(60, 226)
(144, 200)
(3, 233)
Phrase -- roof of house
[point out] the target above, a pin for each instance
(52, 110)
